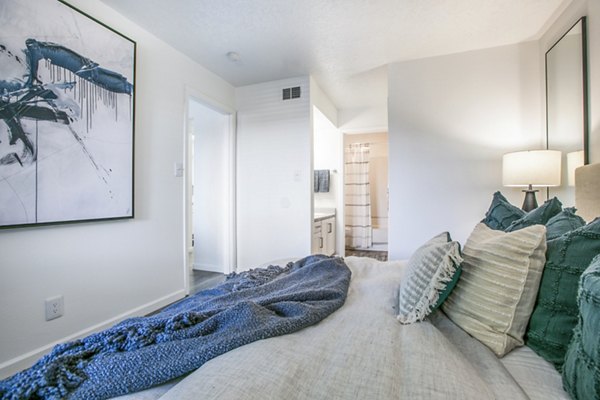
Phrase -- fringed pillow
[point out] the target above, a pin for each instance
(501, 213)
(555, 313)
(581, 372)
(431, 273)
(563, 222)
(538, 216)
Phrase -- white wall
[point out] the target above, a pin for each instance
(593, 12)
(327, 144)
(328, 154)
(451, 118)
(210, 203)
(274, 164)
(108, 270)
(320, 99)
(363, 120)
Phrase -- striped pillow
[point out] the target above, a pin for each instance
(430, 274)
(497, 290)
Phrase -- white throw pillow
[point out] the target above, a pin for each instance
(428, 272)
(500, 279)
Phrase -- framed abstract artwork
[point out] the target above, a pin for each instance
(67, 91)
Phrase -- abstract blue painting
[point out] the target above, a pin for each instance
(66, 116)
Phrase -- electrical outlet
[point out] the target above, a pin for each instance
(55, 307)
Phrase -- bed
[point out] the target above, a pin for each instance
(361, 351)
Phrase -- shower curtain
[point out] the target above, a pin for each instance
(357, 196)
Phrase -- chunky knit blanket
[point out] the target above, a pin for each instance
(142, 352)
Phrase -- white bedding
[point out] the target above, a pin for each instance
(537, 377)
(362, 352)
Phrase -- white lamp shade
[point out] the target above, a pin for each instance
(574, 161)
(535, 168)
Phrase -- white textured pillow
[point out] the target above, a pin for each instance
(497, 290)
(428, 272)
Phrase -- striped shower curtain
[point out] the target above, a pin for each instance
(357, 196)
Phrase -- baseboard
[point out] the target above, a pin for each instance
(208, 267)
(26, 360)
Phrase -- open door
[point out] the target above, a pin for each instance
(209, 187)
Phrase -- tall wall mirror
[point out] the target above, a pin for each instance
(566, 106)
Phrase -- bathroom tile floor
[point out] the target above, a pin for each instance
(378, 255)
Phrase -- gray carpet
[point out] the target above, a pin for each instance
(201, 280)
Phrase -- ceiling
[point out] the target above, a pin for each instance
(344, 44)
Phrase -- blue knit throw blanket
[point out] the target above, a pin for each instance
(142, 352)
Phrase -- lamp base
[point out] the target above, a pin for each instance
(530, 203)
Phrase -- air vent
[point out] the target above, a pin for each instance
(291, 93)
(296, 92)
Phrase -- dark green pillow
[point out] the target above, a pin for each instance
(581, 372)
(563, 222)
(555, 313)
(538, 216)
(449, 287)
(501, 213)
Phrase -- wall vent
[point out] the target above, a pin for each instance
(291, 93)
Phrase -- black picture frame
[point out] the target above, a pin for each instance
(67, 119)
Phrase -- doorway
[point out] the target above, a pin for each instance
(366, 194)
(209, 191)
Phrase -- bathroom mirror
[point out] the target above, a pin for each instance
(566, 106)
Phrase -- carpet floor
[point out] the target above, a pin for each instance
(201, 280)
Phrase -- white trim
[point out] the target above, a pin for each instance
(232, 231)
(357, 131)
(230, 224)
(26, 360)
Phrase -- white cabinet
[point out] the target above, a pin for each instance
(323, 236)
(317, 238)
(328, 232)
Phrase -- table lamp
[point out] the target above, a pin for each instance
(535, 168)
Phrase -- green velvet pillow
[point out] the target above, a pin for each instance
(563, 222)
(538, 216)
(501, 213)
(581, 372)
(555, 313)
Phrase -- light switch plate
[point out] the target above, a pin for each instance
(178, 169)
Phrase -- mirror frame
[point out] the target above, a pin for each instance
(585, 92)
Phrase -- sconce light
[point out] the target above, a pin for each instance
(574, 161)
(536, 168)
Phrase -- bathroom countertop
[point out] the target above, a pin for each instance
(321, 216)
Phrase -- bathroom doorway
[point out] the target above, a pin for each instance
(210, 191)
(366, 194)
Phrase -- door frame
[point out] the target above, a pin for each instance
(192, 95)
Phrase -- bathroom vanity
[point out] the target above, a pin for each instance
(323, 234)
